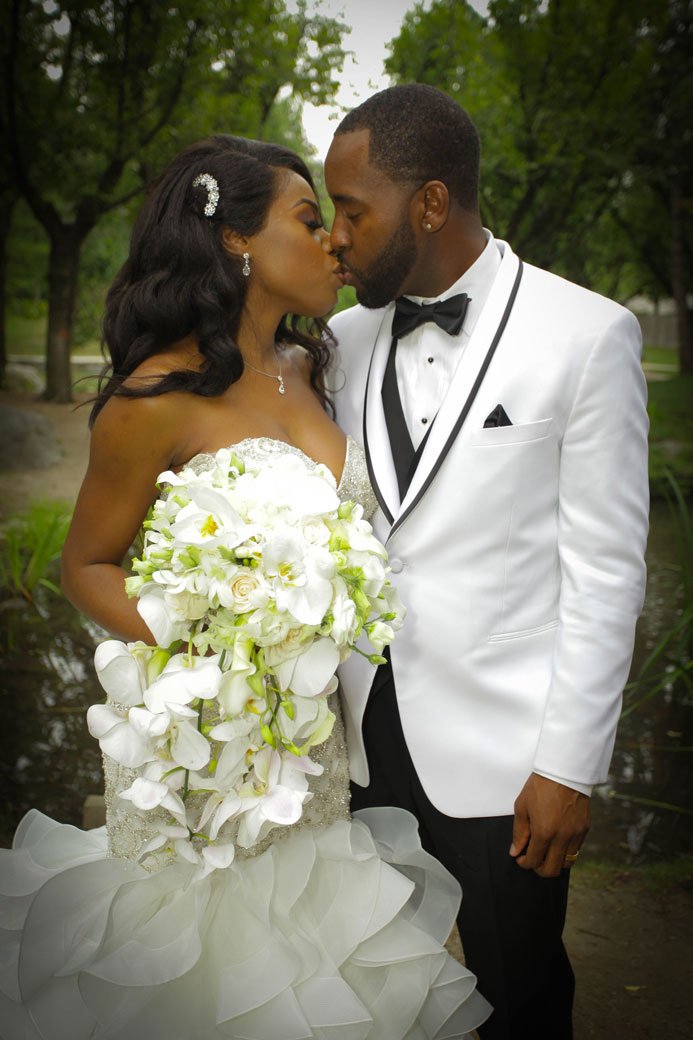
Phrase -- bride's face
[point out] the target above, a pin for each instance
(291, 266)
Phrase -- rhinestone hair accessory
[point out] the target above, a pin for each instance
(210, 183)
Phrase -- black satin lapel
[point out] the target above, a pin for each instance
(401, 446)
(467, 404)
(369, 462)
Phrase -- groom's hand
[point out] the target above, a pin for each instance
(551, 820)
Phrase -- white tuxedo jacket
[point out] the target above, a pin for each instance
(517, 551)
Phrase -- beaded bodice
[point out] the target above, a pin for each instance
(129, 830)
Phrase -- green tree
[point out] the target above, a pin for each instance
(100, 94)
(656, 214)
(576, 115)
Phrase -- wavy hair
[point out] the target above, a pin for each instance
(179, 279)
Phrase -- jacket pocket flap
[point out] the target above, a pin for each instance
(531, 431)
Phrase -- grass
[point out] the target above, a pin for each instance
(28, 336)
(671, 432)
(659, 878)
(30, 545)
(661, 356)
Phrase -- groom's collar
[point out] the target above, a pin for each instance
(476, 282)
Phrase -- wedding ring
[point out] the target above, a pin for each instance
(570, 858)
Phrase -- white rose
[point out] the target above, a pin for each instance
(244, 592)
(315, 532)
(293, 643)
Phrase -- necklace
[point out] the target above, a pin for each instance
(281, 388)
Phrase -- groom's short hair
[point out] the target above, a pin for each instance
(418, 133)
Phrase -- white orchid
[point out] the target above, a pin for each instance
(309, 673)
(149, 794)
(183, 680)
(124, 669)
(120, 737)
(274, 793)
(208, 520)
(310, 722)
(159, 617)
(301, 575)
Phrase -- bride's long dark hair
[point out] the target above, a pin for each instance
(179, 279)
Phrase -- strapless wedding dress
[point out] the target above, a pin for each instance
(332, 928)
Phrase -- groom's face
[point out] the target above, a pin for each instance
(372, 231)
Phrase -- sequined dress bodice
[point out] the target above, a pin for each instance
(129, 830)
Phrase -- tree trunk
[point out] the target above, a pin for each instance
(5, 219)
(63, 269)
(679, 279)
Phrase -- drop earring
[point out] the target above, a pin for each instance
(246, 264)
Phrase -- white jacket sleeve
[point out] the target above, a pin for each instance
(602, 530)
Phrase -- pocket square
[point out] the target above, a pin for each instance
(497, 417)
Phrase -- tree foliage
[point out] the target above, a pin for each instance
(97, 96)
(584, 115)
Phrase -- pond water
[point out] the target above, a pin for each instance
(48, 759)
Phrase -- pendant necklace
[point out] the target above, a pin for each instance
(281, 388)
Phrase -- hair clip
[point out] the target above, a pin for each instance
(212, 187)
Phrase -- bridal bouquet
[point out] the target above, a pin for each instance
(256, 582)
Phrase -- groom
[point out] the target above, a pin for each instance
(503, 414)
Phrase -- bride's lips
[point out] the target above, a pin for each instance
(344, 274)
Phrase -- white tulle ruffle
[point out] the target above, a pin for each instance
(320, 936)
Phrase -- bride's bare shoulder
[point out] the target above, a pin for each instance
(151, 414)
(153, 422)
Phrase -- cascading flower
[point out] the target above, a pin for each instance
(256, 582)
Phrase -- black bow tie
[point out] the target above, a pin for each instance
(447, 314)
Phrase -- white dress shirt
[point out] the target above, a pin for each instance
(427, 358)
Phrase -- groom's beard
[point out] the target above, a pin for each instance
(381, 282)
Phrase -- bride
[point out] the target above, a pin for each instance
(329, 928)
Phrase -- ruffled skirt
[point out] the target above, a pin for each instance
(334, 933)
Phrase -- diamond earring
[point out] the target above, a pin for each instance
(246, 264)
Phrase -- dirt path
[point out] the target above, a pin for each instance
(630, 945)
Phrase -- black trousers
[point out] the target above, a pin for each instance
(511, 920)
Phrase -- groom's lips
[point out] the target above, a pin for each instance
(343, 274)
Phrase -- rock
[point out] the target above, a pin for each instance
(24, 378)
(28, 440)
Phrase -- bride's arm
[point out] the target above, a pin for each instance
(133, 440)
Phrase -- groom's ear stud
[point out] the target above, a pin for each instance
(434, 202)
